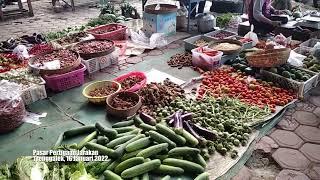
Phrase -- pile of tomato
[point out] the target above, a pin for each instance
(227, 82)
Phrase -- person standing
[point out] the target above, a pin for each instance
(259, 15)
(201, 6)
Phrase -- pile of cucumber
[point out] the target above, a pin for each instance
(136, 150)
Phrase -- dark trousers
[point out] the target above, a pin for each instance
(200, 8)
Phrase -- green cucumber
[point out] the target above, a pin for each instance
(147, 127)
(166, 169)
(161, 156)
(190, 138)
(202, 176)
(121, 149)
(102, 140)
(111, 175)
(79, 131)
(138, 144)
(187, 166)
(135, 178)
(119, 140)
(101, 149)
(124, 129)
(87, 139)
(166, 131)
(145, 176)
(59, 141)
(153, 150)
(135, 131)
(181, 151)
(167, 177)
(130, 155)
(200, 160)
(123, 124)
(141, 169)
(137, 120)
(113, 165)
(161, 139)
(109, 132)
(128, 164)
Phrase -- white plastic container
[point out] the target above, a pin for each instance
(204, 61)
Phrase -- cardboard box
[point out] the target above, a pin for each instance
(159, 23)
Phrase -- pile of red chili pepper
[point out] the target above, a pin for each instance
(40, 48)
(209, 52)
(10, 61)
(227, 82)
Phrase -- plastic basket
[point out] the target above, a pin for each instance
(34, 93)
(137, 86)
(95, 64)
(204, 61)
(119, 34)
(62, 82)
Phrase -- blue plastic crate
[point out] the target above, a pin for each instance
(160, 23)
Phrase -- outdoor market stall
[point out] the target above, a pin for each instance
(175, 115)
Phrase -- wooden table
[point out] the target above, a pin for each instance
(19, 11)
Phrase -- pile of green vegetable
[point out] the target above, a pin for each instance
(291, 72)
(223, 20)
(25, 168)
(311, 63)
(138, 148)
(227, 118)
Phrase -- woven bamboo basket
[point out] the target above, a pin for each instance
(268, 58)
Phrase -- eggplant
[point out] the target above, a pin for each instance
(171, 121)
(178, 125)
(206, 133)
(187, 116)
(147, 119)
(188, 128)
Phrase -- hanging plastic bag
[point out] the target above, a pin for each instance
(253, 36)
(12, 110)
(296, 59)
(316, 50)
(21, 51)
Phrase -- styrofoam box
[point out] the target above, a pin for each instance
(95, 64)
(160, 23)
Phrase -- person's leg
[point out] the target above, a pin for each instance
(201, 6)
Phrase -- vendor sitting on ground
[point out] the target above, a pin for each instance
(259, 15)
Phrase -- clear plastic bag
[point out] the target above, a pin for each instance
(204, 61)
(253, 36)
(316, 50)
(12, 110)
(296, 59)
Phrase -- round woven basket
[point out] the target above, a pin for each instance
(268, 58)
(75, 64)
(12, 118)
(96, 54)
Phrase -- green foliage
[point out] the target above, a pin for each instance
(224, 19)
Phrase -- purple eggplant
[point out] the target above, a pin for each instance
(187, 116)
(178, 124)
(171, 122)
(188, 128)
(147, 119)
(206, 133)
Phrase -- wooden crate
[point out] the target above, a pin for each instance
(301, 88)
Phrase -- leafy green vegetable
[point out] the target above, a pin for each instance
(27, 169)
(224, 19)
(5, 173)
(81, 173)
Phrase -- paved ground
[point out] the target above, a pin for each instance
(45, 19)
(294, 144)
